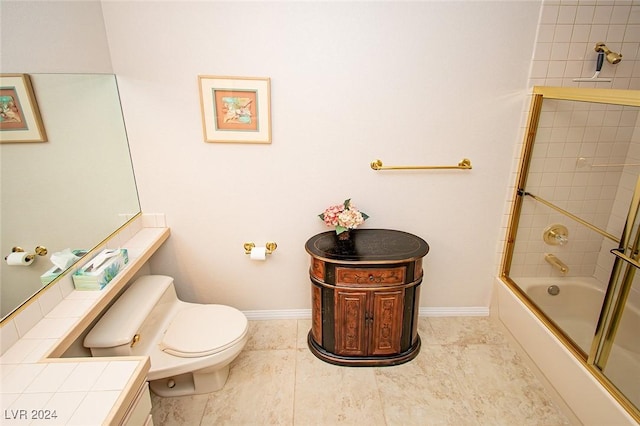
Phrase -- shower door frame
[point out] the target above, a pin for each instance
(610, 314)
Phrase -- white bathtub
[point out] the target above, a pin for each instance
(575, 309)
(584, 395)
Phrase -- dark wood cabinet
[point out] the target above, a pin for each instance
(365, 296)
(368, 322)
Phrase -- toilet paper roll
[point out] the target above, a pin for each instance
(20, 258)
(258, 253)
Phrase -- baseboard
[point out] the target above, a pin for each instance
(474, 311)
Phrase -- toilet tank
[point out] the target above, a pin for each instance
(134, 321)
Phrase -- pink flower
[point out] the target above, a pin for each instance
(343, 216)
(330, 215)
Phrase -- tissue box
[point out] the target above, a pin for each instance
(94, 276)
(53, 273)
(50, 275)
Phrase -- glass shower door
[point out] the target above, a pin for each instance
(616, 348)
(573, 245)
(622, 367)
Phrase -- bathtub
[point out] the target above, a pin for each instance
(575, 309)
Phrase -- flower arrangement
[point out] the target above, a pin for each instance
(343, 217)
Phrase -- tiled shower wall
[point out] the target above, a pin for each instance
(575, 138)
(567, 34)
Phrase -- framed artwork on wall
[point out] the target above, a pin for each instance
(20, 119)
(235, 109)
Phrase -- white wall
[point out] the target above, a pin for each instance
(406, 82)
(53, 37)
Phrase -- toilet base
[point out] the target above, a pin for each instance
(191, 383)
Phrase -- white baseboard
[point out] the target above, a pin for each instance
(475, 311)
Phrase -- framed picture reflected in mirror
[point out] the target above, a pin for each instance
(20, 119)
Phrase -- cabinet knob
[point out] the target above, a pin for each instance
(370, 277)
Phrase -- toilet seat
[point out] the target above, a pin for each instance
(203, 330)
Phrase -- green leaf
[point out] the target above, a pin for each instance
(340, 229)
(364, 215)
(321, 216)
(347, 202)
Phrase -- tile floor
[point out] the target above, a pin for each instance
(467, 373)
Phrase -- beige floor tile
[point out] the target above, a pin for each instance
(424, 391)
(465, 374)
(259, 391)
(327, 394)
(460, 331)
(272, 334)
(502, 390)
(303, 331)
(184, 410)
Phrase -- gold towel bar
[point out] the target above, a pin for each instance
(464, 164)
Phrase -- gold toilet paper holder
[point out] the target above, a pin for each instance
(40, 251)
(270, 247)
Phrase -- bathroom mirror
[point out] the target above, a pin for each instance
(70, 192)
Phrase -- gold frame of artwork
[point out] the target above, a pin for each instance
(20, 119)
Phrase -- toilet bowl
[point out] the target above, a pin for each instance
(190, 345)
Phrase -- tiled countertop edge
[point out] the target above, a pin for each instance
(47, 340)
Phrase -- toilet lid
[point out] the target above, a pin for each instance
(203, 330)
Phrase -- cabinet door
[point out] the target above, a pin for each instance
(388, 307)
(350, 314)
(140, 410)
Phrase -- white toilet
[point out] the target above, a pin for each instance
(190, 345)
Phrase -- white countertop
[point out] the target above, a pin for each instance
(38, 387)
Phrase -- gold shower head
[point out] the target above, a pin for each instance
(612, 57)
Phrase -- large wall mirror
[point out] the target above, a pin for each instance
(70, 192)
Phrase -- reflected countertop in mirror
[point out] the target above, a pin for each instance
(70, 192)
